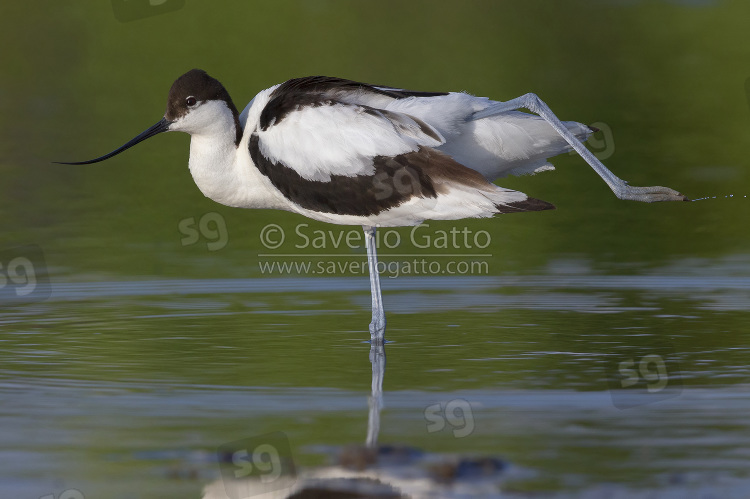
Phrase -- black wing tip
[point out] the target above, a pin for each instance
(528, 204)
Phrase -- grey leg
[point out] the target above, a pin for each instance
(621, 188)
(377, 326)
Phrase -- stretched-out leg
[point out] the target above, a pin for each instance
(621, 188)
(377, 326)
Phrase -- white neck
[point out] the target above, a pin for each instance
(224, 171)
(212, 157)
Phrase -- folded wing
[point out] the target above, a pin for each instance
(330, 146)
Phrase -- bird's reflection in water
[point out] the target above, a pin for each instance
(377, 359)
(372, 470)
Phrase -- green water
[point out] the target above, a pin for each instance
(161, 334)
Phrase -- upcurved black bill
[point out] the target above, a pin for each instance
(161, 126)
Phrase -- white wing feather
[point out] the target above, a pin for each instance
(342, 139)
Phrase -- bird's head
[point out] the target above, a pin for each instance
(197, 104)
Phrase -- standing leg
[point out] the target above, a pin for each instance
(621, 188)
(377, 326)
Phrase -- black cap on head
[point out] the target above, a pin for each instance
(197, 84)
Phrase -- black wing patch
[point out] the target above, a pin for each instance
(528, 204)
(424, 173)
(318, 91)
(396, 180)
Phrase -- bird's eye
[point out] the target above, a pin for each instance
(190, 101)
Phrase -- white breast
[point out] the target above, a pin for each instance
(223, 171)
